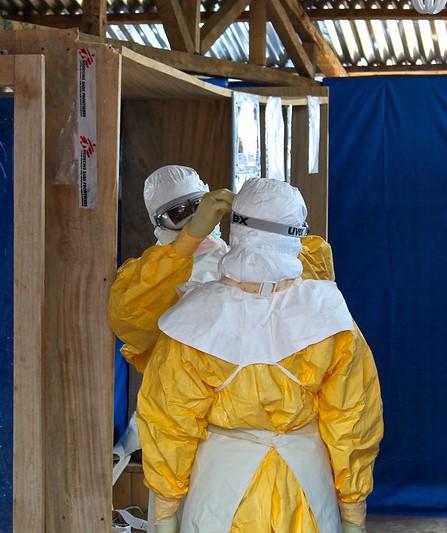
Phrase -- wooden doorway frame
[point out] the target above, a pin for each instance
(25, 75)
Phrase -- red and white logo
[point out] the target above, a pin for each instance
(87, 56)
(87, 145)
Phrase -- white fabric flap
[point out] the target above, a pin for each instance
(244, 328)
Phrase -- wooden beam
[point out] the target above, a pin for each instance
(94, 17)
(78, 447)
(258, 33)
(390, 70)
(29, 295)
(312, 51)
(215, 67)
(219, 22)
(74, 21)
(175, 25)
(191, 10)
(327, 59)
(289, 38)
(372, 14)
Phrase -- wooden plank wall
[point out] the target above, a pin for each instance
(80, 259)
(195, 133)
(29, 274)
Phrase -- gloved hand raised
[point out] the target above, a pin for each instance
(167, 525)
(212, 208)
(347, 527)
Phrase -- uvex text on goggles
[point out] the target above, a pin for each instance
(178, 212)
(271, 227)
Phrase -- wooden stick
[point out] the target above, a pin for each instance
(219, 22)
(175, 25)
(258, 32)
(94, 17)
(289, 38)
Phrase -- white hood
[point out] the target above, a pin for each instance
(260, 256)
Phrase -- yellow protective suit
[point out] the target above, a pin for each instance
(145, 288)
(341, 388)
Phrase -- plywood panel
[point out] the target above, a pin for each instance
(166, 132)
(130, 489)
(314, 187)
(6, 70)
(146, 78)
(29, 273)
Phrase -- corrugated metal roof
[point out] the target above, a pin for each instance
(233, 44)
(387, 42)
(358, 43)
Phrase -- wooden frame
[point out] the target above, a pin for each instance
(26, 75)
(80, 253)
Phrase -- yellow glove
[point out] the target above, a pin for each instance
(347, 527)
(167, 525)
(212, 208)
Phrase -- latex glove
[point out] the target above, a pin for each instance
(167, 525)
(211, 209)
(347, 527)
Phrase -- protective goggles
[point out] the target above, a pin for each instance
(297, 232)
(177, 213)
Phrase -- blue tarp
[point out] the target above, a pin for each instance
(387, 226)
(121, 396)
(6, 309)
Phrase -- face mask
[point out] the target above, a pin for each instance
(165, 236)
(208, 245)
(216, 233)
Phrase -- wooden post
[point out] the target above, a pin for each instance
(326, 58)
(29, 274)
(219, 22)
(191, 10)
(81, 265)
(258, 33)
(175, 25)
(94, 17)
(289, 38)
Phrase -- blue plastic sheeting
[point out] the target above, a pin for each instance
(6, 306)
(121, 392)
(121, 396)
(220, 82)
(388, 223)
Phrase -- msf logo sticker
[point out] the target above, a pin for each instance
(87, 56)
(87, 145)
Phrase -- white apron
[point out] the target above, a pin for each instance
(227, 461)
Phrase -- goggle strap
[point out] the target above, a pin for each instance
(270, 227)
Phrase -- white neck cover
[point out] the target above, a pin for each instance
(244, 329)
